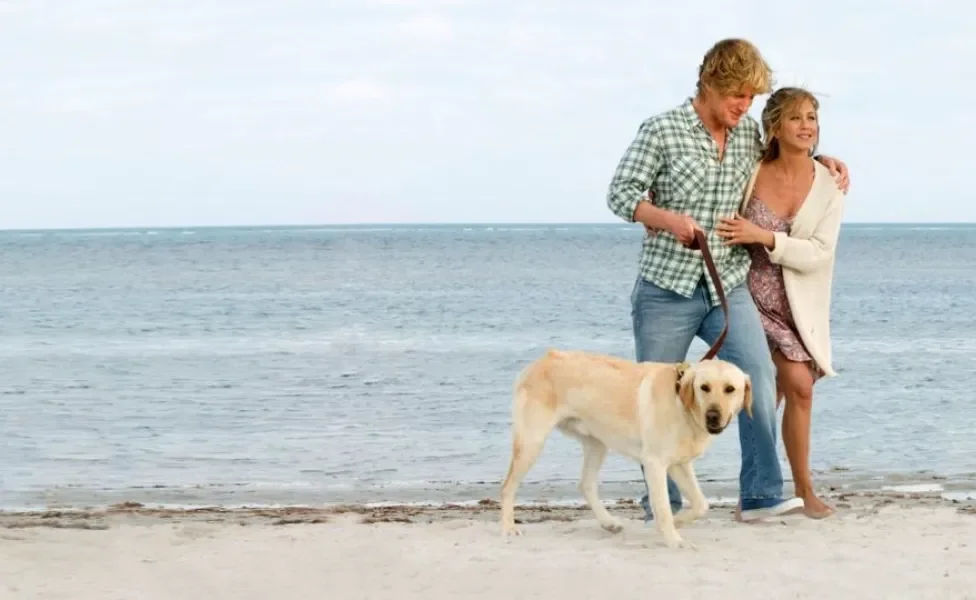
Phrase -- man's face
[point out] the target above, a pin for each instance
(730, 108)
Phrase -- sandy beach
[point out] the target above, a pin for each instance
(878, 545)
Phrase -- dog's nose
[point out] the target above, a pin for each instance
(713, 417)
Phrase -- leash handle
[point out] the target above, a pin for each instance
(700, 243)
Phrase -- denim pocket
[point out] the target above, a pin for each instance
(644, 291)
(634, 294)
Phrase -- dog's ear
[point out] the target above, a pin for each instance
(679, 369)
(747, 397)
(686, 388)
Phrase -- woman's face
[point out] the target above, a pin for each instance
(800, 128)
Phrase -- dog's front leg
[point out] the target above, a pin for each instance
(686, 480)
(656, 476)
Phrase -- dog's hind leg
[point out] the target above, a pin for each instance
(531, 426)
(525, 451)
(594, 453)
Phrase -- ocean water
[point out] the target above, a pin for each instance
(374, 364)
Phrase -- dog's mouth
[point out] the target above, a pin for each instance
(713, 423)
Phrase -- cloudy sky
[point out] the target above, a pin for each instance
(219, 112)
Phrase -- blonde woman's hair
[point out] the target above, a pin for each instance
(777, 108)
(734, 65)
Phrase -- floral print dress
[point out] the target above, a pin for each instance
(769, 291)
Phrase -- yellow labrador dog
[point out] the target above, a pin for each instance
(662, 415)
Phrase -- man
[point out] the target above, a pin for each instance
(694, 161)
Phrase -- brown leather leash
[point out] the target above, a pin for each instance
(700, 243)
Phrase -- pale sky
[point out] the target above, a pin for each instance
(239, 112)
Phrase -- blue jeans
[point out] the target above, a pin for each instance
(665, 323)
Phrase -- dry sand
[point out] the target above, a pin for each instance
(878, 546)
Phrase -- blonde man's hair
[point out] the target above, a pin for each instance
(733, 66)
(777, 108)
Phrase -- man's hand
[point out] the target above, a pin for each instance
(683, 227)
(839, 170)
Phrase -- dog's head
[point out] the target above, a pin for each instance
(714, 391)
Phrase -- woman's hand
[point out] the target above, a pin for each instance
(739, 230)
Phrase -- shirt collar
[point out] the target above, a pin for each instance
(691, 116)
(694, 122)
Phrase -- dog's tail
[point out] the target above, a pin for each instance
(520, 400)
(527, 414)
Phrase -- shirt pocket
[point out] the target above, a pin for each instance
(687, 179)
(741, 172)
(737, 177)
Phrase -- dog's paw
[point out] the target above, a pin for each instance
(677, 543)
(687, 517)
(613, 526)
(511, 531)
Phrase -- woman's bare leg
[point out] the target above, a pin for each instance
(796, 383)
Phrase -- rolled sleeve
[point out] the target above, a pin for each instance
(636, 170)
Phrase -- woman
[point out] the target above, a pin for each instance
(790, 222)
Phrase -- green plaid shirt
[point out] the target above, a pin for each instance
(675, 157)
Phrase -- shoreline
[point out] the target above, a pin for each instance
(101, 517)
(563, 492)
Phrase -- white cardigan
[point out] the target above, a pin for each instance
(807, 258)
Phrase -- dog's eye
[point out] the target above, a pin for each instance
(729, 389)
(706, 388)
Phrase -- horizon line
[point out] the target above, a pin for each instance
(403, 224)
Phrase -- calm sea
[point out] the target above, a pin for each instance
(336, 364)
